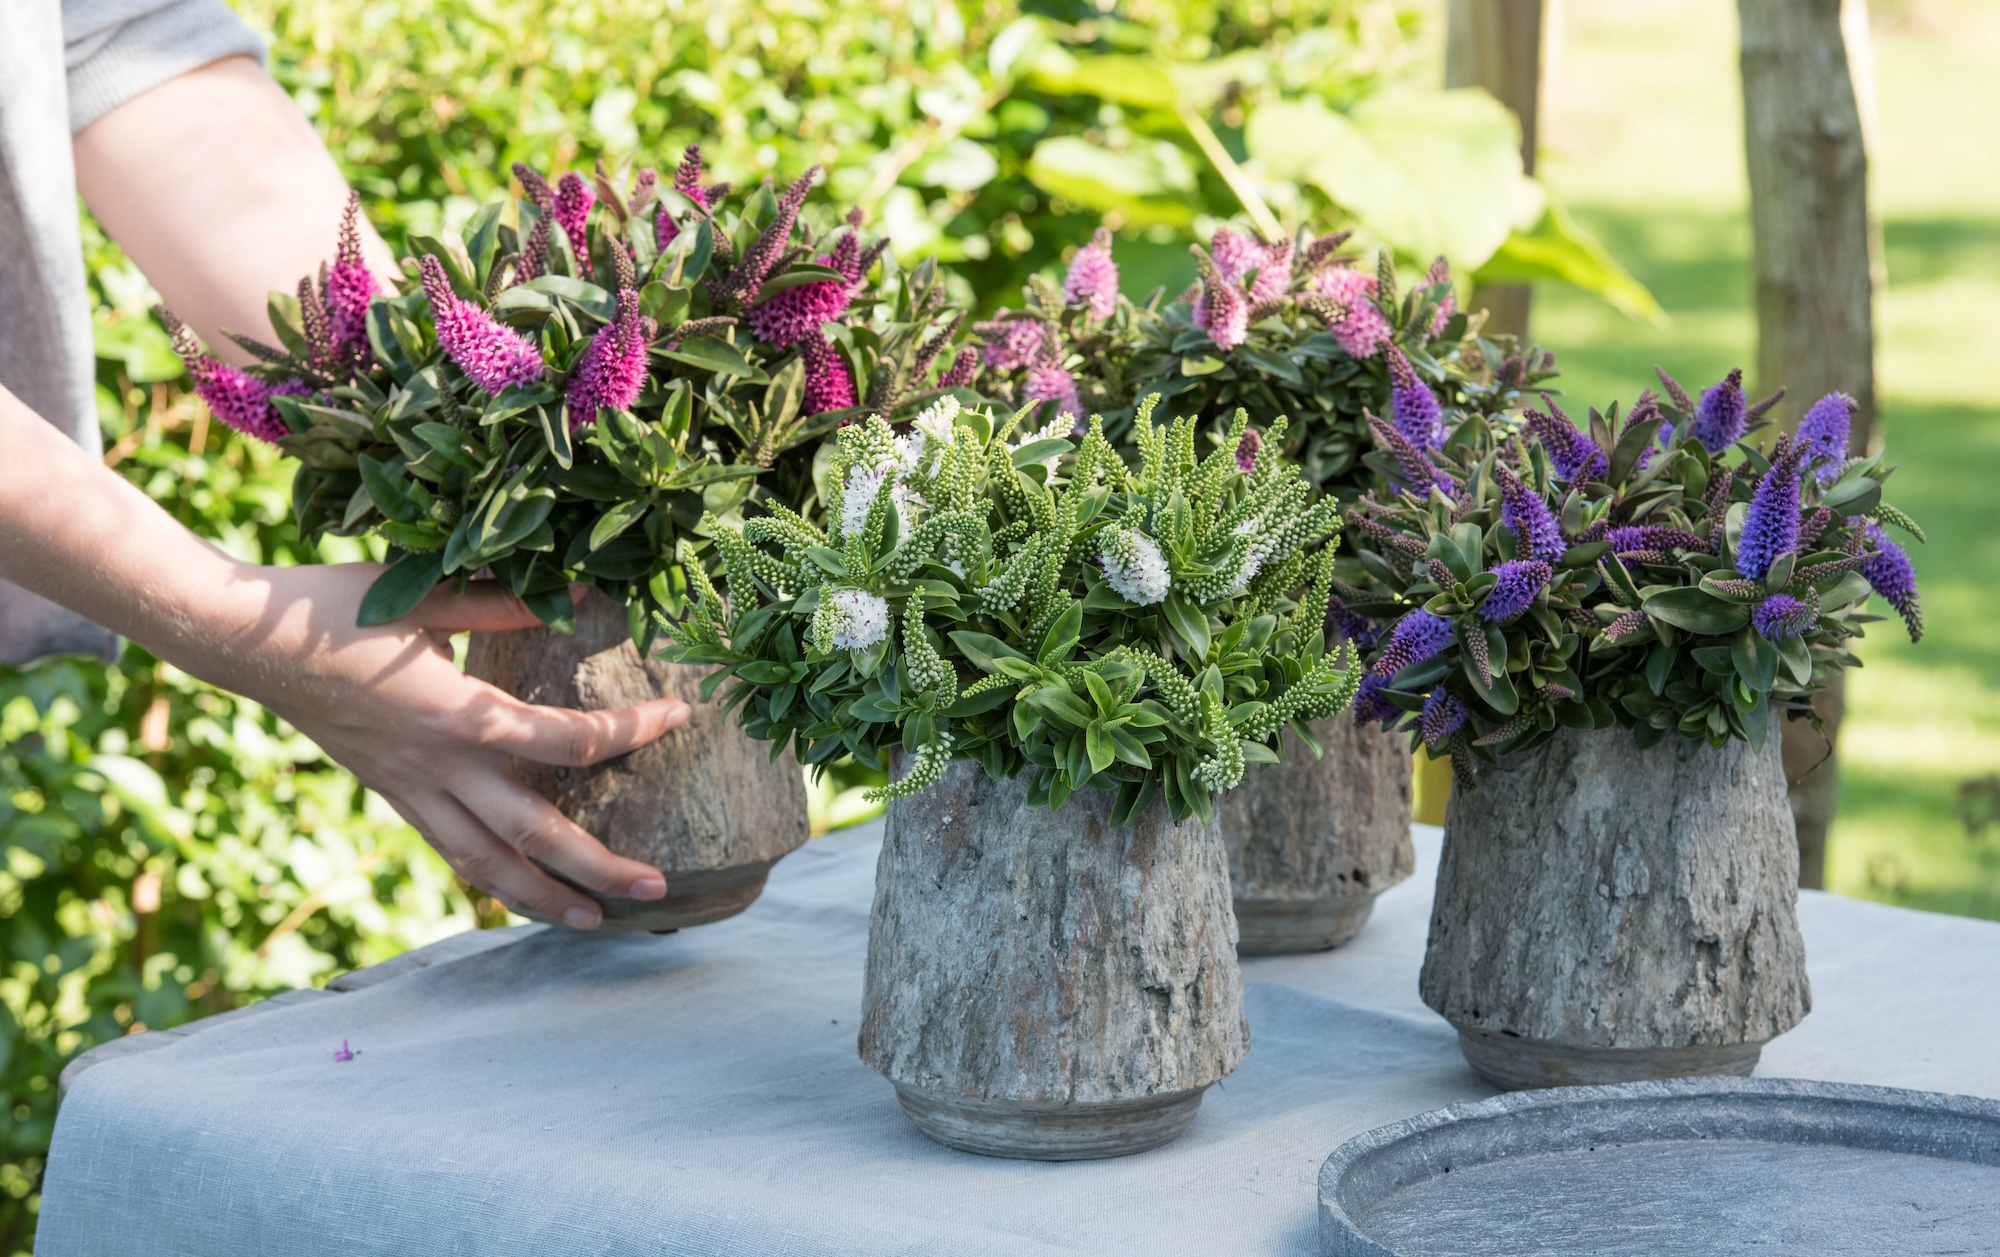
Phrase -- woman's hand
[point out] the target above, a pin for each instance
(389, 703)
(385, 701)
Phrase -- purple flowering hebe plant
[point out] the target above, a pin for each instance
(1534, 574)
(1291, 328)
(562, 397)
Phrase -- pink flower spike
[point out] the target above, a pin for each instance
(573, 201)
(1092, 279)
(960, 373)
(1009, 343)
(790, 315)
(1440, 273)
(1048, 382)
(612, 369)
(687, 178)
(345, 1053)
(829, 384)
(492, 355)
(350, 285)
(1235, 254)
(1247, 449)
(1364, 330)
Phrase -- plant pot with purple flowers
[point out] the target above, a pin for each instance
(1601, 627)
(1066, 659)
(572, 385)
(1292, 329)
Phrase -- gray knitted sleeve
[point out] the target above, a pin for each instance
(116, 49)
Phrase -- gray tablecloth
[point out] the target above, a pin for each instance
(699, 1093)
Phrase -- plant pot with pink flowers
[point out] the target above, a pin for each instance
(572, 385)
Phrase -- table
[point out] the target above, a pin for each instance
(536, 1091)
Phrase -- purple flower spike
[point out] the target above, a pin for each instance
(747, 277)
(790, 315)
(1520, 581)
(1009, 344)
(1364, 330)
(1823, 435)
(573, 201)
(350, 285)
(1443, 716)
(1772, 526)
(1440, 273)
(239, 399)
(1092, 280)
(665, 229)
(1890, 573)
(829, 384)
(1416, 637)
(1414, 468)
(959, 374)
(1370, 707)
(1344, 624)
(1573, 454)
(1781, 616)
(1412, 404)
(1537, 534)
(1247, 449)
(492, 355)
(1718, 421)
(1633, 538)
(613, 367)
(1221, 309)
(687, 176)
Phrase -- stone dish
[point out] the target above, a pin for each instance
(1690, 1165)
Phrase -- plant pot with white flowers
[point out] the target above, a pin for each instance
(1064, 661)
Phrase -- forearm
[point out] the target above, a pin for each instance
(80, 535)
(219, 190)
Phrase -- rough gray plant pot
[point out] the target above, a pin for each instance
(705, 804)
(1606, 914)
(1312, 842)
(1042, 984)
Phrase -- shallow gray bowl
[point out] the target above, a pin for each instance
(1691, 1165)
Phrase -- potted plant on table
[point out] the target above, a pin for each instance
(1068, 659)
(1300, 331)
(559, 400)
(1601, 627)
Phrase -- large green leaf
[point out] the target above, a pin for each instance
(1150, 183)
(1558, 248)
(1429, 172)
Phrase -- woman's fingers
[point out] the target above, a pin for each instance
(574, 739)
(532, 826)
(479, 856)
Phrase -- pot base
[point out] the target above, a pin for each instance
(694, 897)
(1277, 927)
(1043, 1130)
(1524, 1064)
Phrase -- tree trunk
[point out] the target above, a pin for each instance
(1312, 842)
(1497, 45)
(1042, 984)
(1606, 914)
(705, 804)
(1808, 166)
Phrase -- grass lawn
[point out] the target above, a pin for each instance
(1643, 139)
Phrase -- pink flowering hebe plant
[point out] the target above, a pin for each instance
(1291, 328)
(561, 392)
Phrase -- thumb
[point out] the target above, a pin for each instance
(562, 735)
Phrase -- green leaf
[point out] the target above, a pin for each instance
(1141, 82)
(983, 650)
(1060, 701)
(1697, 611)
(1428, 172)
(1558, 249)
(1189, 623)
(1035, 451)
(1797, 659)
(710, 354)
(398, 590)
(1150, 184)
(1756, 659)
(1102, 750)
(617, 520)
(1856, 496)
(1062, 637)
(383, 479)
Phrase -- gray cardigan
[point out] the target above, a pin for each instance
(63, 64)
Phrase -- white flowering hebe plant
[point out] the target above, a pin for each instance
(1032, 604)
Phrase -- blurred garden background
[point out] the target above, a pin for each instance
(170, 851)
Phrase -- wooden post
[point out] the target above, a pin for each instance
(1804, 143)
(1497, 45)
